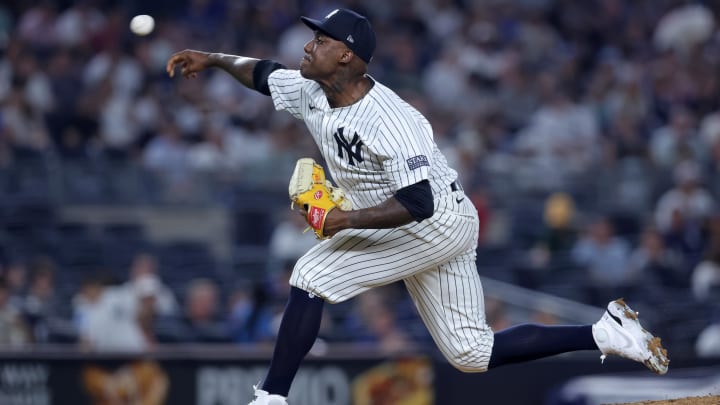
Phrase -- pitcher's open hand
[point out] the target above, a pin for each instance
(190, 62)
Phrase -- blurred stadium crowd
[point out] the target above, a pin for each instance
(586, 132)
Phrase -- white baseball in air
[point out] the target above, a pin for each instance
(142, 24)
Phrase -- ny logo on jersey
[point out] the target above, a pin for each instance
(348, 147)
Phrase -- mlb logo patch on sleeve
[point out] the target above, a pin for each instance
(418, 161)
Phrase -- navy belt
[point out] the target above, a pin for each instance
(455, 186)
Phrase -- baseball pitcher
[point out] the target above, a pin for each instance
(397, 212)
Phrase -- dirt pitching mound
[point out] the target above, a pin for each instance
(714, 400)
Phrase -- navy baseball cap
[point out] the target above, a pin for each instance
(348, 27)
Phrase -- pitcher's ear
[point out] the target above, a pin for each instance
(347, 56)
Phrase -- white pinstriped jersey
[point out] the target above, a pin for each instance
(372, 148)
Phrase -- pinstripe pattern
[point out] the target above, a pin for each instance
(435, 258)
(391, 132)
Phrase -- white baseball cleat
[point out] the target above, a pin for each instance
(265, 398)
(619, 332)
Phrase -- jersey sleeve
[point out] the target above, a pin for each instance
(409, 153)
(285, 89)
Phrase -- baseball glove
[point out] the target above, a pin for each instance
(309, 189)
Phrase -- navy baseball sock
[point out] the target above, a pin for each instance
(298, 330)
(529, 342)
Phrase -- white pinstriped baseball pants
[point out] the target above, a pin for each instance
(436, 260)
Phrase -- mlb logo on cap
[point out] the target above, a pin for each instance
(349, 27)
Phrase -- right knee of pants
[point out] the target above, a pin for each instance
(466, 365)
(475, 355)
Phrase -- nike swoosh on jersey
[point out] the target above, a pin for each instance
(459, 200)
(311, 107)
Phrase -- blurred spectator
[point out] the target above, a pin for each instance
(75, 26)
(516, 96)
(224, 149)
(202, 318)
(279, 282)
(37, 24)
(652, 261)
(708, 341)
(626, 138)
(288, 240)
(66, 86)
(166, 156)
(687, 202)
(705, 277)
(710, 129)
(550, 250)
(603, 254)
(626, 104)
(712, 169)
(117, 66)
(15, 276)
(30, 76)
(559, 217)
(117, 317)
(23, 125)
(445, 79)
(13, 331)
(250, 316)
(209, 155)
(41, 304)
(278, 293)
(117, 128)
(110, 320)
(684, 27)
(147, 289)
(374, 322)
(84, 301)
(6, 23)
(167, 153)
(203, 17)
(682, 212)
(559, 139)
(677, 141)
(144, 267)
(146, 112)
